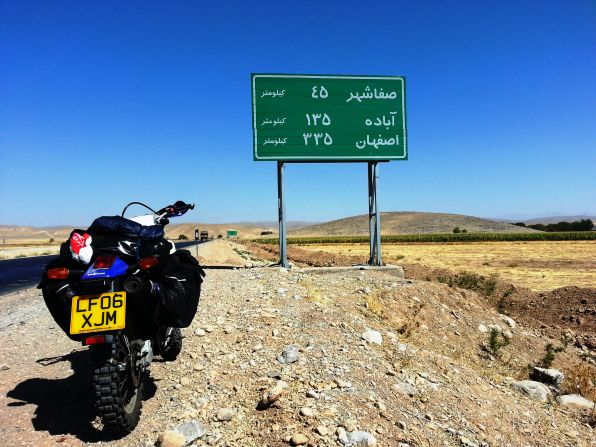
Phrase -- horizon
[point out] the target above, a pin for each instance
(153, 104)
(312, 222)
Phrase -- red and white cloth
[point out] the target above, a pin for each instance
(80, 247)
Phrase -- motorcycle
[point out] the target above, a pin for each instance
(124, 291)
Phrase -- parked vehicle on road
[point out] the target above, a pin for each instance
(122, 289)
(204, 236)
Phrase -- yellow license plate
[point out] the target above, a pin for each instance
(97, 313)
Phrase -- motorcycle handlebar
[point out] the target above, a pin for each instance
(177, 209)
(161, 217)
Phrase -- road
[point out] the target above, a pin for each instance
(19, 273)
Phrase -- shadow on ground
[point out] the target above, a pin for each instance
(66, 406)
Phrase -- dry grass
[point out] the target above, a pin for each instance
(17, 251)
(539, 265)
(581, 380)
(379, 304)
(374, 305)
(313, 293)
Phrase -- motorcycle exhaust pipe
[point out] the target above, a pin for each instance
(134, 284)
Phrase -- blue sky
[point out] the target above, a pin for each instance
(106, 102)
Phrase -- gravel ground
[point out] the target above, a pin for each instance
(429, 382)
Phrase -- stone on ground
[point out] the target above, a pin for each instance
(225, 414)
(575, 401)
(299, 439)
(510, 321)
(191, 430)
(290, 354)
(372, 336)
(361, 439)
(535, 390)
(272, 395)
(171, 439)
(547, 375)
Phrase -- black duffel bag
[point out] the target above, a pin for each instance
(180, 289)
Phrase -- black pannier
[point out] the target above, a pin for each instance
(180, 289)
(58, 297)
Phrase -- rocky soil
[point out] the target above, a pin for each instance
(278, 358)
(567, 314)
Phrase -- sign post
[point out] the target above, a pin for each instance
(197, 241)
(281, 212)
(374, 218)
(329, 118)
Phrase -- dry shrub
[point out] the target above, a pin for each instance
(472, 281)
(412, 322)
(375, 306)
(581, 379)
(496, 341)
(550, 354)
(381, 306)
(402, 360)
(313, 294)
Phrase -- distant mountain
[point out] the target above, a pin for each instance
(27, 234)
(273, 223)
(408, 222)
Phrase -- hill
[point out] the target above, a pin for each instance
(27, 234)
(22, 234)
(408, 222)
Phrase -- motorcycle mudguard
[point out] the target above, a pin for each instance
(118, 268)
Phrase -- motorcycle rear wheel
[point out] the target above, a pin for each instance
(118, 387)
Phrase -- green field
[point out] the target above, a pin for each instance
(443, 237)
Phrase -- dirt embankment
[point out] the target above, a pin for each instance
(567, 312)
(303, 258)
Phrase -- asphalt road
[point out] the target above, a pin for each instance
(19, 273)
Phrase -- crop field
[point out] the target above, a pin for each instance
(444, 237)
(539, 265)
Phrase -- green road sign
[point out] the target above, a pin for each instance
(329, 118)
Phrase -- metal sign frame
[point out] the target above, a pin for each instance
(372, 160)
